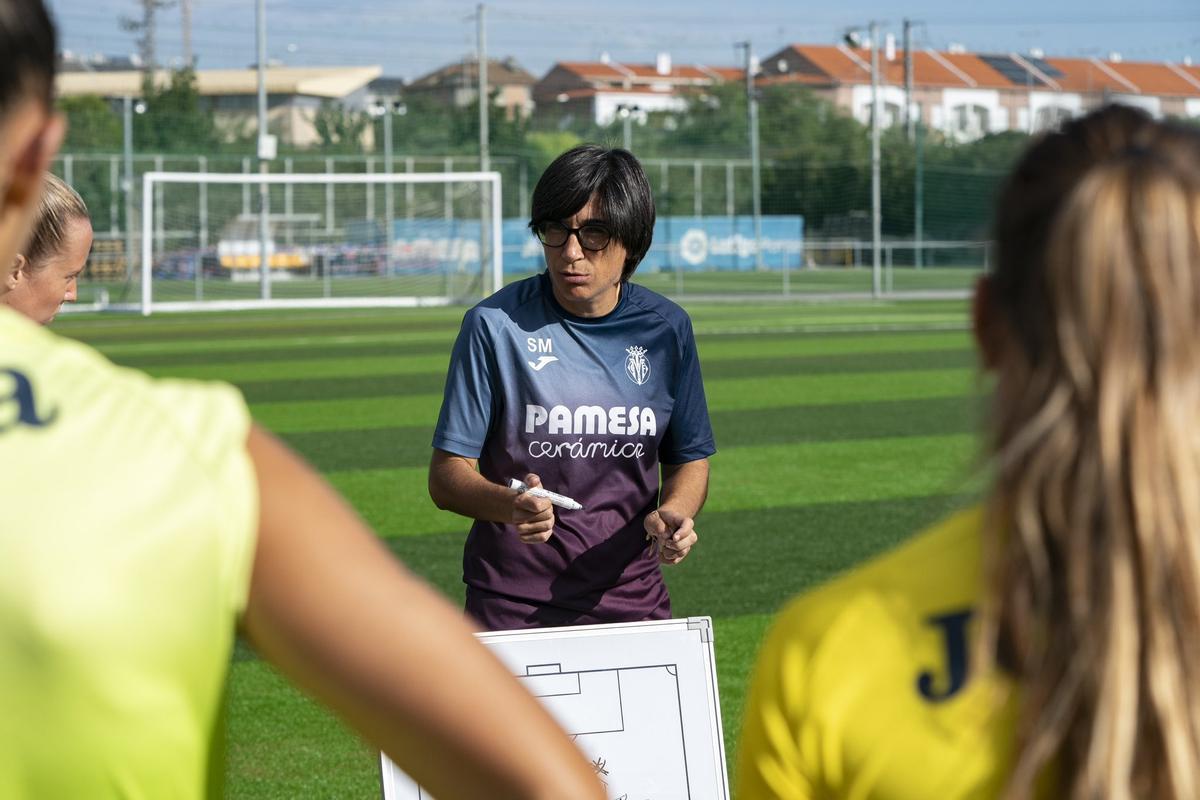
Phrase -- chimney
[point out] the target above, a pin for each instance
(605, 57)
(663, 64)
(889, 47)
(1114, 57)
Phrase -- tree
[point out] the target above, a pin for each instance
(92, 124)
(176, 119)
(340, 130)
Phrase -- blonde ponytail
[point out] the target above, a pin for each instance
(1094, 519)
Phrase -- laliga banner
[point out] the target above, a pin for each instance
(690, 243)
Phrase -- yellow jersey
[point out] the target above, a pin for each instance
(128, 512)
(863, 687)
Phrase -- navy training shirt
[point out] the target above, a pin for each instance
(592, 405)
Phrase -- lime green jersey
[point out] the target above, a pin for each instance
(863, 688)
(128, 511)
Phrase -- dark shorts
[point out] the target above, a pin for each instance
(499, 612)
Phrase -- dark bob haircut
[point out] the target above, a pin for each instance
(623, 197)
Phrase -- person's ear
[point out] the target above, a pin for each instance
(30, 162)
(28, 140)
(986, 323)
(12, 276)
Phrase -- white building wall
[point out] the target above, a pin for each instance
(1046, 107)
(891, 99)
(968, 114)
(1191, 107)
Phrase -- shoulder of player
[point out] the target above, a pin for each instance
(651, 302)
(53, 358)
(70, 375)
(501, 305)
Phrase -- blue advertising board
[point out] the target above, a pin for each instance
(688, 243)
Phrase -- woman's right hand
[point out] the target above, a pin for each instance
(532, 516)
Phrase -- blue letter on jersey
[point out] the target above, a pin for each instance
(22, 396)
(954, 627)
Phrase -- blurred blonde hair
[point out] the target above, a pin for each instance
(59, 206)
(1093, 599)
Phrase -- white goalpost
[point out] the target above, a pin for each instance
(234, 241)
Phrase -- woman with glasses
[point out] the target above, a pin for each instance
(581, 382)
(1046, 643)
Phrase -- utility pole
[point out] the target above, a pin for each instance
(388, 196)
(185, 11)
(755, 166)
(919, 197)
(913, 127)
(127, 185)
(876, 202)
(485, 161)
(626, 113)
(266, 152)
(909, 117)
(484, 99)
(146, 42)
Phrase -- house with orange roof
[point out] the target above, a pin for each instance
(968, 95)
(603, 91)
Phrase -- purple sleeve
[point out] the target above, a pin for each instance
(689, 435)
(469, 401)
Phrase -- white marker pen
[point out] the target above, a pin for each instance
(562, 501)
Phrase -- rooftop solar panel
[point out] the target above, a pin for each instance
(1047, 69)
(1016, 74)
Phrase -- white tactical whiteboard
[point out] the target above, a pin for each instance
(639, 699)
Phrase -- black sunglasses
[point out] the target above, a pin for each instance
(591, 235)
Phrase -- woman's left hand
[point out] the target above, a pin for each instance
(674, 534)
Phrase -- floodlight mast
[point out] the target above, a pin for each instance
(755, 165)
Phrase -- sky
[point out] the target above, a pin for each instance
(410, 39)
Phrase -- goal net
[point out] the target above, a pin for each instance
(330, 240)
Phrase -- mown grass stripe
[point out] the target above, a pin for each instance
(794, 547)
(724, 394)
(396, 500)
(312, 369)
(352, 414)
(308, 349)
(212, 331)
(799, 391)
(408, 446)
(396, 348)
(355, 384)
(438, 361)
(306, 344)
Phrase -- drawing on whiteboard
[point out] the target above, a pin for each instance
(638, 699)
(611, 714)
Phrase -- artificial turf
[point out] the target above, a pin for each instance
(841, 428)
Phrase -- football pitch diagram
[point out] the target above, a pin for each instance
(642, 710)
